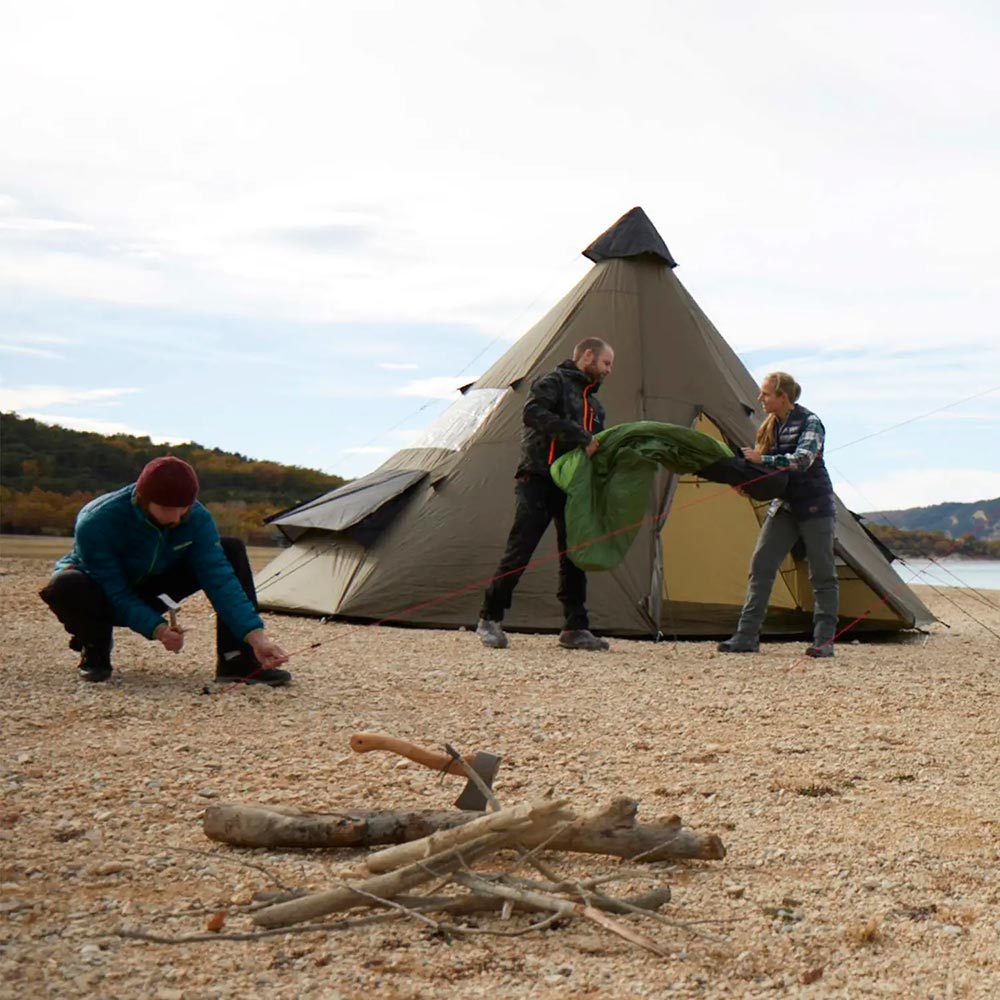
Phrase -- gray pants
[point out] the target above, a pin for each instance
(778, 534)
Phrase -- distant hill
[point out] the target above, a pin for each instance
(47, 473)
(981, 519)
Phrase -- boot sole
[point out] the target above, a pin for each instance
(252, 680)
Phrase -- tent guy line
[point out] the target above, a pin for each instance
(317, 550)
(479, 584)
(934, 560)
(911, 420)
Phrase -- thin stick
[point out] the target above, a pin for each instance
(566, 908)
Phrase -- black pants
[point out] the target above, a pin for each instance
(80, 604)
(539, 502)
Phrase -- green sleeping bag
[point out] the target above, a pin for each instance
(608, 495)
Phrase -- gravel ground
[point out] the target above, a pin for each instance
(858, 800)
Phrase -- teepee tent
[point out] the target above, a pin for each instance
(415, 541)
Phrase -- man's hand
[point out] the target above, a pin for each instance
(752, 456)
(172, 639)
(592, 447)
(269, 654)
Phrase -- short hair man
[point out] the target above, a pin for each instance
(149, 538)
(561, 414)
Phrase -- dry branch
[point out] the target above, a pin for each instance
(613, 831)
(563, 908)
(318, 904)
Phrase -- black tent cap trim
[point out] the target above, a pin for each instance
(631, 236)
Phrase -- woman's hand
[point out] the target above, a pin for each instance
(753, 456)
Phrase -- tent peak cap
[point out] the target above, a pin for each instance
(633, 235)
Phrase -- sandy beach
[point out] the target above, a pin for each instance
(858, 800)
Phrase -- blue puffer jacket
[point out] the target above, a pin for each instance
(118, 546)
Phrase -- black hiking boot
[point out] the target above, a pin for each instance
(739, 644)
(95, 663)
(245, 670)
(582, 638)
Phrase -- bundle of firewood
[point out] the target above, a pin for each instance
(452, 854)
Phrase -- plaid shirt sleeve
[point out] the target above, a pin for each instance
(810, 443)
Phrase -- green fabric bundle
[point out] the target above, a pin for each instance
(607, 496)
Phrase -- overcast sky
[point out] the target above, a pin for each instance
(291, 229)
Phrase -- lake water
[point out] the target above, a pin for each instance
(983, 574)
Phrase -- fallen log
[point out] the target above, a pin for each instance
(612, 831)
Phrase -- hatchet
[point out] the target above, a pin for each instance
(484, 764)
(172, 608)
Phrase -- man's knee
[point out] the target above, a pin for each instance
(70, 586)
(71, 591)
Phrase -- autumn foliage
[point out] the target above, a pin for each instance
(49, 473)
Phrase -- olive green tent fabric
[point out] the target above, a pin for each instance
(608, 495)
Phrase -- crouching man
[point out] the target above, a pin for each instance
(150, 538)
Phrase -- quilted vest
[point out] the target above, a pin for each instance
(810, 493)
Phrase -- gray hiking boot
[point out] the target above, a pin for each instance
(739, 644)
(492, 634)
(581, 638)
(820, 652)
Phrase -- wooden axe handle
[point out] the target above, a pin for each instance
(365, 742)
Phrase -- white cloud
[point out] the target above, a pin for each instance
(394, 366)
(436, 386)
(919, 488)
(821, 193)
(103, 427)
(42, 396)
(43, 227)
(32, 352)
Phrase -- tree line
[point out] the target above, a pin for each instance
(49, 472)
(936, 544)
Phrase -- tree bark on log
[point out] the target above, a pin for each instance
(613, 831)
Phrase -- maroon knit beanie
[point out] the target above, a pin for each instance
(168, 481)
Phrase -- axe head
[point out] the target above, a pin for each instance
(168, 602)
(486, 766)
(172, 608)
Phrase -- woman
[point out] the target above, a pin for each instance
(791, 439)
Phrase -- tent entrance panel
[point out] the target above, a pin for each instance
(708, 539)
(857, 599)
(312, 576)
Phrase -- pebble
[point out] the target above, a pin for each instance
(109, 868)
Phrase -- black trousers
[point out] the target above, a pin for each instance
(539, 502)
(81, 605)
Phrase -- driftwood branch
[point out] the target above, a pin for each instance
(415, 864)
(613, 831)
(458, 906)
(563, 908)
(343, 897)
(513, 819)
